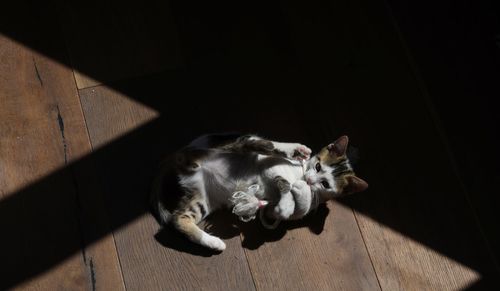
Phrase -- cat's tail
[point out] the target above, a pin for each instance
(160, 212)
(162, 215)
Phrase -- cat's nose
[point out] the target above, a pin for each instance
(309, 181)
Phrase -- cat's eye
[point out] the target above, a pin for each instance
(325, 184)
(318, 167)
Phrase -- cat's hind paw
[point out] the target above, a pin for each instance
(212, 242)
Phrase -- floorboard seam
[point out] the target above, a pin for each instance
(248, 264)
(366, 248)
(439, 128)
(68, 54)
(91, 86)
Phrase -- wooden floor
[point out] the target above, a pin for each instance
(93, 94)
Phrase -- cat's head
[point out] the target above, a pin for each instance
(330, 173)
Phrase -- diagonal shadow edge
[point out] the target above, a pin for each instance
(29, 196)
(55, 175)
(60, 194)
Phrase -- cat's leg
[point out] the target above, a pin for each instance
(253, 143)
(302, 196)
(293, 150)
(286, 204)
(186, 218)
(287, 149)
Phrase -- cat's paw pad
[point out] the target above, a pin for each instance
(284, 210)
(213, 242)
(301, 152)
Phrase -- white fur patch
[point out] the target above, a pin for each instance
(285, 207)
(191, 181)
(291, 174)
(212, 242)
(196, 181)
(290, 148)
(303, 198)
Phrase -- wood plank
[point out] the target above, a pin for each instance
(415, 218)
(469, 71)
(404, 264)
(325, 251)
(256, 94)
(100, 253)
(328, 257)
(127, 166)
(119, 39)
(168, 265)
(42, 132)
(311, 254)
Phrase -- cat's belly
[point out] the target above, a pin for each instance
(224, 175)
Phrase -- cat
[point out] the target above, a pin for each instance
(209, 174)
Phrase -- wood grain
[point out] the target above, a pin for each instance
(264, 97)
(415, 218)
(457, 76)
(119, 39)
(332, 259)
(404, 263)
(292, 72)
(42, 132)
(323, 252)
(151, 259)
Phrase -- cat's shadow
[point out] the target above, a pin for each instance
(226, 225)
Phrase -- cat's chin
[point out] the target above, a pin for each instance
(316, 192)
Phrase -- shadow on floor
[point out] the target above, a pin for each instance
(225, 225)
(269, 71)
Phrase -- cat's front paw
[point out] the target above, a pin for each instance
(293, 150)
(284, 209)
(299, 186)
(301, 152)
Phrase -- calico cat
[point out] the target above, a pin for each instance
(286, 174)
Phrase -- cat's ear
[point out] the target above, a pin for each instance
(354, 185)
(339, 147)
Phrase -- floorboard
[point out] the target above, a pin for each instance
(151, 259)
(415, 218)
(41, 211)
(459, 62)
(323, 252)
(113, 40)
(312, 254)
(76, 165)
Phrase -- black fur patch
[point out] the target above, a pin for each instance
(202, 209)
(282, 184)
(343, 167)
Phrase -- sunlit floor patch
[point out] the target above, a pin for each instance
(402, 263)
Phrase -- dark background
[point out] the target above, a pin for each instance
(455, 47)
(413, 83)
